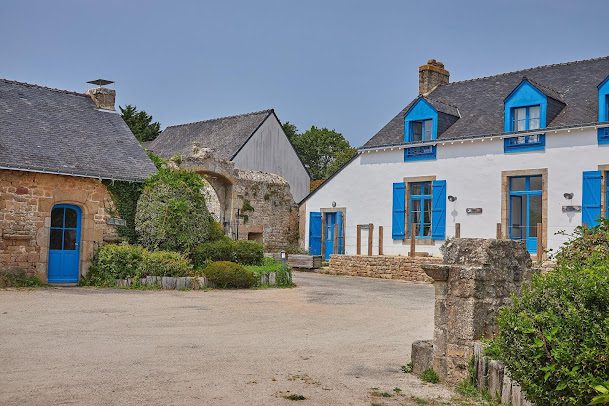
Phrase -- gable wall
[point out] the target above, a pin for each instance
(269, 150)
(473, 172)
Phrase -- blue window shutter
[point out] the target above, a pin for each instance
(438, 210)
(591, 198)
(341, 236)
(399, 210)
(315, 233)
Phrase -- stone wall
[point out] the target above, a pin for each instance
(26, 200)
(381, 266)
(476, 279)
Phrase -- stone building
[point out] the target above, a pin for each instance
(255, 175)
(56, 147)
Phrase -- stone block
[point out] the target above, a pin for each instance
(168, 282)
(421, 356)
(506, 389)
(272, 278)
(184, 282)
(199, 282)
(516, 394)
(495, 378)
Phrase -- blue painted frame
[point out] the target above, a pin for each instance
(421, 111)
(603, 100)
(421, 198)
(511, 144)
(531, 242)
(423, 153)
(524, 95)
(64, 265)
(315, 233)
(330, 220)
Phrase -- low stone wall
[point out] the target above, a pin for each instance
(187, 282)
(492, 376)
(381, 266)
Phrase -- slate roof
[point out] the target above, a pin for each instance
(480, 101)
(58, 131)
(225, 135)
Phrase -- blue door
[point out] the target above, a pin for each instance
(315, 233)
(525, 209)
(329, 235)
(64, 244)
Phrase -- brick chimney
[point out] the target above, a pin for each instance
(102, 96)
(431, 75)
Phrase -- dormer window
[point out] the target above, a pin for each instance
(603, 111)
(526, 118)
(421, 130)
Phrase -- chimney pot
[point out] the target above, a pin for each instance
(103, 97)
(431, 75)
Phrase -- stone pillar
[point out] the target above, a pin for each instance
(476, 279)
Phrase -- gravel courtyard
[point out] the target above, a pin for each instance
(334, 340)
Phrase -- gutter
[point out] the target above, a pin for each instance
(67, 173)
(483, 137)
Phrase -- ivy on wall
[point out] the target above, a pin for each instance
(125, 196)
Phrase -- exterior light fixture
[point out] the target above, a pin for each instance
(568, 196)
(333, 204)
(452, 198)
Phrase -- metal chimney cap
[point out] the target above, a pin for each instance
(100, 82)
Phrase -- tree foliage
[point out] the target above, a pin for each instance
(140, 123)
(322, 150)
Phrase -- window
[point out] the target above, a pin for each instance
(420, 153)
(420, 130)
(525, 209)
(526, 118)
(524, 143)
(419, 209)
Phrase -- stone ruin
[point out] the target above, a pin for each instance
(476, 279)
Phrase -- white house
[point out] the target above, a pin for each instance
(516, 149)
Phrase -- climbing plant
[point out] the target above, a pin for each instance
(125, 196)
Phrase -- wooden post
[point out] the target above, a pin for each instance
(413, 233)
(539, 243)
(370, 237)
(499, 233)
(380, 240)
(359, 240)
(335, 239)
(457, 230)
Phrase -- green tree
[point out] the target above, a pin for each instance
(290, 130)
(140, 123)
(324, 151)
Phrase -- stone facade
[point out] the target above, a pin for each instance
(476, 279)
(26, 200)
(381, 266)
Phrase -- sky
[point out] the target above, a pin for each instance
(345, 65)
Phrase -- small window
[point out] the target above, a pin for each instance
(420, 130)
(420, 153)
(524, 143)
(526, 118)
(419, 209)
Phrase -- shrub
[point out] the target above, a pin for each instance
(589, 246)
(224, 274)
(283, 275)
(171, 212)
(555, 338)
(248, 252)
(216, 231)
(114, 261)
(164, 263)
(19, 280)
(220, 250)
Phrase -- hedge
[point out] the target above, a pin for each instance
(225, 274)
(242, 251)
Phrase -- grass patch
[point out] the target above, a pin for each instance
(378, 394)
(19, 280)
(407, 368)
(283, 276)
(294, 396)
(429, 375)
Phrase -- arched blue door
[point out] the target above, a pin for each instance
(64, 244)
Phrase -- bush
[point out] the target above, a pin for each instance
(555, 338)
(589, 246)
(164, 263)
(216, 231)
(171, 212)
(283, 275)
(224, 274)
(248, 252)
(220, 250)
(19, 280)
(243, 252)
(114, 261)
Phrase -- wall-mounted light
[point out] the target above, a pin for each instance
(452, 198)
(568, 196)
(333, 204)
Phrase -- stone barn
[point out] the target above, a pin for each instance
(56, 147)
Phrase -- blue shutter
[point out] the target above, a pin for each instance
(438, 210)
(341, 236)
(399, 210)
(591, 198)
(315, 233)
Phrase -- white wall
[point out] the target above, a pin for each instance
(472, 171)
(269, 150)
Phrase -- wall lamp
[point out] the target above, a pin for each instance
(568, 196)
(452, 198)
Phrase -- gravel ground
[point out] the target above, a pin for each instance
(334, 340)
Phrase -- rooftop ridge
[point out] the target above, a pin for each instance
(25, 84)
(544, 87)
(526, 70)
(221, 118)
